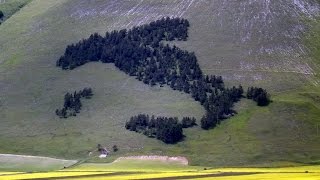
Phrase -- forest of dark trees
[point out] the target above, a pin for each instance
(169, 130)
(72, 103)
(140, 52)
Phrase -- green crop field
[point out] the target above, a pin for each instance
(32, 87)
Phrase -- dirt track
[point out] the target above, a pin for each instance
(179, 159)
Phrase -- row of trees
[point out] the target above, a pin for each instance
(140, 52)
(169, 130)
(188, 122)
(72, 104)
(127, 49)
(259, 95)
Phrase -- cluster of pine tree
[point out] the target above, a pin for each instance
(72, 104)
(128, 50)
(140, 52)
(169, 130)
(218, 104)
(259, 95)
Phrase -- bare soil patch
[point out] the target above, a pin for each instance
(167, 159)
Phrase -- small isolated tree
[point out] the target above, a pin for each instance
(1, 14)
(259, 95)
(263, 99)
(99, 147)
(115, 148)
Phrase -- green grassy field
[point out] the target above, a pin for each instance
(18, 163)
(146, 169)
(31, 87)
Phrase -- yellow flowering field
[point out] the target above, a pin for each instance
(155, 170)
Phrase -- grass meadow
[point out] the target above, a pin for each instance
(31, 88)
(9, 7)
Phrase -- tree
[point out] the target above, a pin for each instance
(188, 122)
(210, 120)
(169, 130)
(170, 133)
(259, 95)
(115, 148)
(186, 87)
(99, 147)
(1, 15)
(72, 103)
(63, 113)
(263, 99)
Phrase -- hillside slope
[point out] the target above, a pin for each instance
(8, 8)
(252, 42)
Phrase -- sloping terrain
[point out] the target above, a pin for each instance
(10, 162)
(9, 7)
(252, 42)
